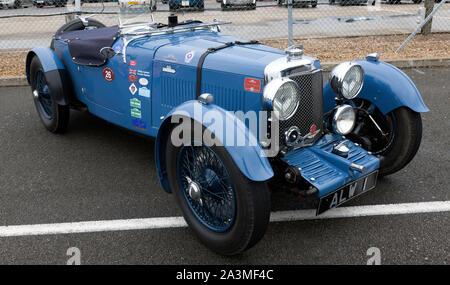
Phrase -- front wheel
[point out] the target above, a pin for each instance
(394, 138)
(227, 212)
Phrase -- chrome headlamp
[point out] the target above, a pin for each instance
(344, 118)
(282, 96)
(347, 79)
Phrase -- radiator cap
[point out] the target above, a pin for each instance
(294, 52)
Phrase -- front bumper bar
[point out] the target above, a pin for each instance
(327, 171)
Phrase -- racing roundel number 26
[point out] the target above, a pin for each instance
(108, 74)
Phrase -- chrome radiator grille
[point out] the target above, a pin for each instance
(310, 110)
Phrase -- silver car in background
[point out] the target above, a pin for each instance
(244, 4)
(10, 4)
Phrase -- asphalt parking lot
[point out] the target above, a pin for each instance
(97, 172)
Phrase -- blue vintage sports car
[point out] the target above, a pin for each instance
(229, 116)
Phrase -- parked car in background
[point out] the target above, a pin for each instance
(56, 3)
(248, 4)
(298, 3)
(10, 4)
(186, 4)
(399, 1)
(348, 2)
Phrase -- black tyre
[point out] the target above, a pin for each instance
(76, 25)
(314, 4)
(331, 2)
(17, 4)
(228, 212)
(396, 143)
(55, 117)
(420, 1)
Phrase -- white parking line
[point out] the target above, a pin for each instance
(177, 222)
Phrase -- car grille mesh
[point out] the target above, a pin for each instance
(310, 110)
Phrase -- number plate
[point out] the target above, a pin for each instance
(347, 192)
(185, 3)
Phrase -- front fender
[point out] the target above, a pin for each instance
(249, 157)
(55, 73)
(386, 86)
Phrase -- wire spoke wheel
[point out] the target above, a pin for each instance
(45, 100)
(54, 117)
(226, 210)
(215, 206)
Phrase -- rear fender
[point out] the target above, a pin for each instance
(386, 86)
(55, 73)
(249, 158)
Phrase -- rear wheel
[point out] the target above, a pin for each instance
(227, 212)
(395, 137)
(55, 117)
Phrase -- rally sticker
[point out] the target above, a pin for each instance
(132, 78)
(136, 113)
(144, 92)
(139, 124)
(189, 56)
(143, 81)
(252, 84)
(108, 74)
(135, 103)
(132, 63)
(133, 88)
(143, 73)
(171, 58)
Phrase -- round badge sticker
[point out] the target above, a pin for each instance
(108, 74)
(143, 81)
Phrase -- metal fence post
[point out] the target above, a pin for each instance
(77, 6)
(77, 11)
(290, 24)
(429, 5)
(427, 19)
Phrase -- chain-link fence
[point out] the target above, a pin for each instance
(25, 24)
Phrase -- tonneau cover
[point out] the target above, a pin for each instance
(85, 45)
